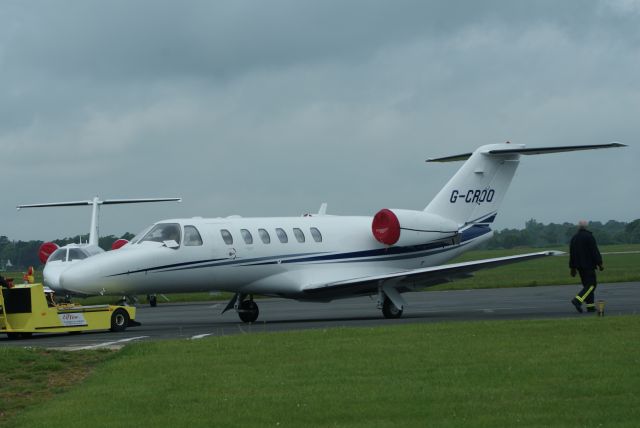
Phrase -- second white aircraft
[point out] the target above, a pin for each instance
(319, 257)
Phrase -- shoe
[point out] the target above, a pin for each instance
(577, 304)
(591, 309)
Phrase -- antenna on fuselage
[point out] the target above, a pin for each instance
(95, 203)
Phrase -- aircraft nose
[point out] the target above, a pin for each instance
(51, 276)
(53, 281)
(80, 278)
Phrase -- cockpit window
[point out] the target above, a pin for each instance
(57, 255)
(76, 254)
(163, 232)
(139, 236)
(192, 237)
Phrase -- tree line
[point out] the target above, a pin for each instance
(25, 253)
(544, 235)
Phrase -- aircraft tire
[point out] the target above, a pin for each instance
(153, 300)
(389, 310)
(248, 311)
(119, 320)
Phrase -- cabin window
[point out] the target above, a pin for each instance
(163, 232)
(298, 234)
(246, 235)
(226, 235)
(192, 237)
(282, 235)
(317, 236)
(264, 235)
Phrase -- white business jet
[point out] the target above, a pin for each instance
(57, 259)
(320, 257)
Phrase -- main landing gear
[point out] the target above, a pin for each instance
(153, 300)
(390, 300)
(389, 310)
(244, 305)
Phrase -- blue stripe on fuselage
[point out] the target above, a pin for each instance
(379, 254)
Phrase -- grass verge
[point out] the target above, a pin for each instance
(29, 376)
(569, 372)
(621, 263)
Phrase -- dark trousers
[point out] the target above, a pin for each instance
(589, 284)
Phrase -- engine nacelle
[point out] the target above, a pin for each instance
(45, 251)
(119, 243)
(408, 227)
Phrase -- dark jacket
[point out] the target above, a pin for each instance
(583, 251)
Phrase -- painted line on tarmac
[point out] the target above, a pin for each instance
(110, 345)
(200, 336)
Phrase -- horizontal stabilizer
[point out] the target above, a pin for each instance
(530, 151)
(137, 201)
(104, 202)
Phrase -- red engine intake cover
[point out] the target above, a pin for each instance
(386, 227)
(45, 251)
(119, 243)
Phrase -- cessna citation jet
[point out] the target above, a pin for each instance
(57, 259)
(320, 257)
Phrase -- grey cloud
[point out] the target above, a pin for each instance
(269, 108)
(147, 40)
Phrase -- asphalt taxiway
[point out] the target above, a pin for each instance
(193, 321)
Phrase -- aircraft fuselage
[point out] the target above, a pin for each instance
(269, 256)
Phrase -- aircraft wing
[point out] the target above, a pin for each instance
(407, 280)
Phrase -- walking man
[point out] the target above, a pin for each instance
(584, 256)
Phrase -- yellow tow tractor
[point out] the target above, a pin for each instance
(27, 309)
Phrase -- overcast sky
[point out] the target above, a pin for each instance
(269, 108)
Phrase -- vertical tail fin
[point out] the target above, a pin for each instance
(475, 192)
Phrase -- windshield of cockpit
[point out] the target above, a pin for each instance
(162, 232)
(74, 254)
(59, 254)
